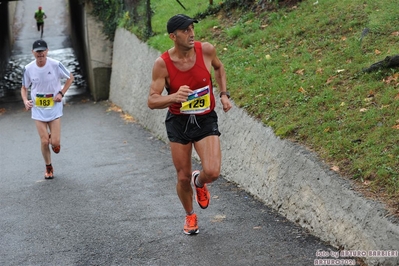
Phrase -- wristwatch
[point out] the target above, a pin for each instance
(224, 93)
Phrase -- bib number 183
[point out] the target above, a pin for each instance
(44, 100)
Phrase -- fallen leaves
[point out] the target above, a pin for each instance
(300, 72)
(302, 90)
(330, 79)
(128, 118)
(392, 79)
(396, 126)
(114, 108)
(125, 116)
(370, 95)
(218, 218)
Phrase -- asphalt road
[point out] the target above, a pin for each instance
(113, 199)
(56, 26)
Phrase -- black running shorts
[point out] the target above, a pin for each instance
(191, 128)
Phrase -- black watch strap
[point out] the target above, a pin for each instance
(224, 93)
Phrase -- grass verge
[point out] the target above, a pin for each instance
(298, 69)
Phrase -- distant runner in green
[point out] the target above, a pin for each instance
(40, 16)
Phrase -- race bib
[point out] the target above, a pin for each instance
(44, 100)
(198, 102)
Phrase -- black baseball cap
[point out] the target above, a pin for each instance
(179, 22)
(39, 45)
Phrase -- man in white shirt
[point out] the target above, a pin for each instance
(43, 75)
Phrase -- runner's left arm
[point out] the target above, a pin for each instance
(68, 83)
(220, 74)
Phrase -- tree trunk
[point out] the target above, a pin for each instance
(388, 62)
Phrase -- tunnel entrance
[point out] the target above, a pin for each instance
(63, 31)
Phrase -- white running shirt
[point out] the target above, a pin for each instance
(45, 83)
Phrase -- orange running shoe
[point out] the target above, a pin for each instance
(191, 225)
(56, 149)
(202, 195)
(49, 172)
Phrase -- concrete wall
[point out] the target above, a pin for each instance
(283, 175)
(98, 56)
(12, 7)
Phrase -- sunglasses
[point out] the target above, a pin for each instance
(40, 51)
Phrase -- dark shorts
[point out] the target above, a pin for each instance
(191, 128)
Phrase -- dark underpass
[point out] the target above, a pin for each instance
(65, 39)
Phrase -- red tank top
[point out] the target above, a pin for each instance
(196, 77)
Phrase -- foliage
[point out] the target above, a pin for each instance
(109, 12)
(129, 14)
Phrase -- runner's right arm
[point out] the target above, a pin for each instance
(24, 94)
(155, 99)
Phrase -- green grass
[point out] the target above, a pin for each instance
(312, 89)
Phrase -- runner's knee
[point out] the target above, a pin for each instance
(210, 175)
(45, 140)
(55, 142)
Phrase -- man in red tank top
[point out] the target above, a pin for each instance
(184, 71)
